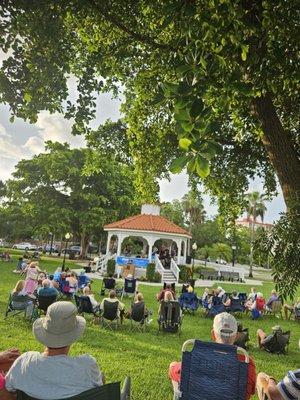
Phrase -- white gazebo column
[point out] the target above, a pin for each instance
(185, 243)
(108, 243)
(151, 242)
(120, 240)
(178, 244)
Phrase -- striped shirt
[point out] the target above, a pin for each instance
(289, 387)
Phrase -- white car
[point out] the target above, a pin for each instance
(24, 246)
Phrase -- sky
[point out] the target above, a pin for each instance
(21, 139)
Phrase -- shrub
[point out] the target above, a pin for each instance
(111, 267)
(157, 277)
(184, 273)
(150, 272)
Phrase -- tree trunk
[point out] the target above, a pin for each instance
(280, 149)
(84, 242)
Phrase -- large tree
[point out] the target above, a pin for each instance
(219, 77)
(57, 193)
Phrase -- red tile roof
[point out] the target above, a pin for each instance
(148, 222)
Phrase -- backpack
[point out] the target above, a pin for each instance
(276, 342)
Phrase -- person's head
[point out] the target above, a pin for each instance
(273, 291)
(86, 291)
(33, 264)
(224, 328)
(219, 289)
(206, 290)
(73, 275)
(277, 329)
(168, 296)
(234, 292)
(129, 276)
(168, 286)
(139, 297)
(46, 283)
(253, 290)
(259, 295)
(112, 294)
(19, 286)
(190, 289)
(110, 275)
(63, 275)
(61, 327)
(20, 258)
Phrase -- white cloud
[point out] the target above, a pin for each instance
(35, 145)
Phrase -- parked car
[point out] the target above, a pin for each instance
(4, 243)
(75, 249)
(220, 261)
(47, 247)
(24, 246)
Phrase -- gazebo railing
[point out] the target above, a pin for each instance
(174, 268)
(158, 266)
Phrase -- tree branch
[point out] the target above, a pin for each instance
(135, 35)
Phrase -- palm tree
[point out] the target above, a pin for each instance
(193, 208)
(255, 207)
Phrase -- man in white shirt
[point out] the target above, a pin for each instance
(112, 297)
(54, 374)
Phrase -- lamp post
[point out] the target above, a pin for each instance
(233, 247)
(67, 237)
(194, 248)
(51, 243)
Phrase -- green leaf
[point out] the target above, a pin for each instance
(27, 97)
(184, 88)
(178, 164)
(202, 166)
(184, 143)
(245, 49)
(187, 126)
(191, 165)
(196, 108)
(203, 62)
(182, 69)
(159, 97)
(182, 115)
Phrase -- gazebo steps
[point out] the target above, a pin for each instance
(169, 277)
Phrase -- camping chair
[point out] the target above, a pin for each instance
(279, 343)
(109, 315)
(217, 306)
(129, 287)
(107, 284)
(19, 308)
(106, 392)
(276, 308)
(84, 305)
(138, 319)
(83, 281)
(236, 306)
(213, 371)
(43, 302)
(189, 302)
(170, 317)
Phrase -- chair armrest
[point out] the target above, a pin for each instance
(125, 393)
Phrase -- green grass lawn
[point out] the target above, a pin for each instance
(144, 356)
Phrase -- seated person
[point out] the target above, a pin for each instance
(251, 298)
(44, 375)
(168, 296)
(293, 309)
(220, 292)
(57, 274)
(109, 283)
(83, 280)
(287, 389)
(259, 303)
(112, 297)
(88, 293)
(47, 289)
(205, 298)
(73, 282)
(224, 331)
(137, 304)
(160, 296)
(189, 299)
(21, 300)
(273, 343)
(273, 297)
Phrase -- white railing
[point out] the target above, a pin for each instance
(159, 267)
(102, 262)
(174, 268)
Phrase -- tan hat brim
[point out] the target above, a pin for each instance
(58, 340)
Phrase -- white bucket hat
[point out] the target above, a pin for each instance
(60, 327)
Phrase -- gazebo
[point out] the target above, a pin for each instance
(149, 227)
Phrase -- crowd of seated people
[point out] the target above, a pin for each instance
(5, 256)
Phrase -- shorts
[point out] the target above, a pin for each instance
(175, 371)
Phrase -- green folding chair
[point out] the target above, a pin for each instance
(110, 391)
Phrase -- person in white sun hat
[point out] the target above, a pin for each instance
(54, 374)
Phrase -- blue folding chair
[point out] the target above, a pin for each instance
(217, 306)
(212, 371)
(189, 302)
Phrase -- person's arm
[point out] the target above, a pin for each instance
(273, 391)
(7, 358)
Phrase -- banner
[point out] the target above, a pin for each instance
(138, 262)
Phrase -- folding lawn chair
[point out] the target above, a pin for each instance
(170, 317)
(107, 284)
(84, 305)
(236, 305)
(17, 305)
(217, 306)
(129, 287)
(138, 319)
(110, 391)
(276, 308)
(83, 281)
(212, 371)
(189, 302)
(109, 315)
(43, 302)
